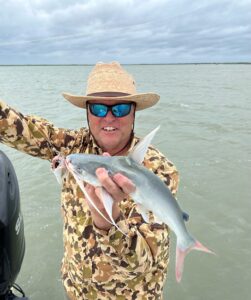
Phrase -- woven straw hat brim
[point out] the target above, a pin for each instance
(143, 100)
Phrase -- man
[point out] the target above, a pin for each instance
(99, 261)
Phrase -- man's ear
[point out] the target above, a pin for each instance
(87, 114)
(134, 116)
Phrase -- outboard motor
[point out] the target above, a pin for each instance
(12, 243)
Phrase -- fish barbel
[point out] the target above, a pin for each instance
(151, 194)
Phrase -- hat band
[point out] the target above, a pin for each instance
(108, 94)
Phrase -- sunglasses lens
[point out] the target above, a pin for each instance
(98, 110)
(118, 110)
(121, 110)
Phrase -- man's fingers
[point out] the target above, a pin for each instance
(107, 182)
(98, 192)
(125, 184)
(106, 154)
(91, 190)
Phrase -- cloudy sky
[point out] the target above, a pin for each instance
(131, 31)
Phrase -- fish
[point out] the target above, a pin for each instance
(151, 194)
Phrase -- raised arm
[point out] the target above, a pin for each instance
(35, 135)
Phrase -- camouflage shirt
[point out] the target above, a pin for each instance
(98, 264)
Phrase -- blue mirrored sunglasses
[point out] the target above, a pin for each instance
(118, 110)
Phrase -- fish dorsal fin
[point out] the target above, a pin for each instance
(139, 151)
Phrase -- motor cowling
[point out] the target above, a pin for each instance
(12, 242)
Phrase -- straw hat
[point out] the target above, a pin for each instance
(109, 81)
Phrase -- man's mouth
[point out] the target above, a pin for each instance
(109, 128)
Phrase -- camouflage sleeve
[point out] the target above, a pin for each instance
(165, 169)
(34, 135)
(146, 246)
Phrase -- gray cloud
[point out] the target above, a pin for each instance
(150, 31)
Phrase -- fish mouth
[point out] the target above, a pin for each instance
(57, 162)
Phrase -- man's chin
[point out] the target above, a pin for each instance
(109, 143)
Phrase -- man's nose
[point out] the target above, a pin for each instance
(110, 116)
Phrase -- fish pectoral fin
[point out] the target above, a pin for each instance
(107, 201)
(144, 212)
(88, 198)
(58, 174)
(108, 204)
(139, 151)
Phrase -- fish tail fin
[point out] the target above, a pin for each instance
(181, 254)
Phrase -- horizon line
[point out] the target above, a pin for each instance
(84, 64)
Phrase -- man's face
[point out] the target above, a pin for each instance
(110, 132)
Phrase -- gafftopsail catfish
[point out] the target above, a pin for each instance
(151, 193)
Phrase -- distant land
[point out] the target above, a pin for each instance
(204, 63)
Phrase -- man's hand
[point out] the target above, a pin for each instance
(118, 186)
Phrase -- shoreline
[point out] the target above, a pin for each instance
(134, 64)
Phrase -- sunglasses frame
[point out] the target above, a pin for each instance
(109, 108)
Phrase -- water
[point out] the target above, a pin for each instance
(205, 114)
